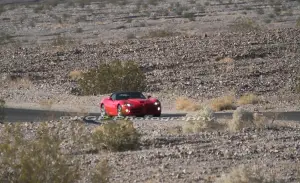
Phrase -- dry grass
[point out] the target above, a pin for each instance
(21, 83)
(75, 75)
(203, 122)
(243, 174)
(183, 103)
(223, 103)
(116, 136)
(159, 33)
(248, 99)
(297, 87)
(175, 130)
(260, 121)
(241, 118)
(23, 160)
(226, 60)
(46, 103)
(245, 24)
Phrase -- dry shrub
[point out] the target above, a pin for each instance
(21, 83)
(34, 160)
(101, 173)
(260, 121)
(223, 103)
(131, 36)
(2, 113)
(77, 137)
(175, 130)
(245, 24)
(75, 75)
(226, 60)
(40, 152)
(159, 33)
(243, 174)
(183, 103)
(241, 118)
(248, 99)
(61, 41)
(205, 121)
(46, 103)
(297, 87)
(116, 136)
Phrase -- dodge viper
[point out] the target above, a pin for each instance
(130, 104)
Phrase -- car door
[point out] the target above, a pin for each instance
(110, 105)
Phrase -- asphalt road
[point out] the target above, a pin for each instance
(32, 115)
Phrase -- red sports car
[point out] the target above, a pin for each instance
(130, 104)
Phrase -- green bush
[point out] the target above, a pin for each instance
(190, 16)
(2, 113)
(116, 136)
(34, 160)
(110, 77)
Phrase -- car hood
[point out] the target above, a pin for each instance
(139, 101)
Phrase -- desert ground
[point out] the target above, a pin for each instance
(196, 49)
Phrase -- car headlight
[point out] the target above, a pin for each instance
(156, 103)
(128, 105)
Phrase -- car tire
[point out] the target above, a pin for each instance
(103, 111)
(157, 115)
(119, 111)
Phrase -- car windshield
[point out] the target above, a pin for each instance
(128, 95)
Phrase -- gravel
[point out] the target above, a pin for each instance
(166, 157)
(265, 63)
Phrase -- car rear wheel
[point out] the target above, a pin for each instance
(103, 111)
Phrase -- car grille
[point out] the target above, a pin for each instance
(151, 108)
(136, 110)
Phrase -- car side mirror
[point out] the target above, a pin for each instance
(149, 96)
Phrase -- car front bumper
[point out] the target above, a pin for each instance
(145, 110)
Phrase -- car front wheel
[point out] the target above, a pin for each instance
(120, 113)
